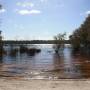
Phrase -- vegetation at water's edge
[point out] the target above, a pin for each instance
(80, 39)
(59, 38)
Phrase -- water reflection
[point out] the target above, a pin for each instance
(65, 65)
(46, 64)
(1, 58)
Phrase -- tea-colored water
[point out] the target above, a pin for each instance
(46, 65)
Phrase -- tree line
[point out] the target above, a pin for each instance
(80, 39)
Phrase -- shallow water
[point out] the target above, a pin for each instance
(46, 65)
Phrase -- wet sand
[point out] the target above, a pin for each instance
(15, 84)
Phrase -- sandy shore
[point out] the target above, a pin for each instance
(12, 84)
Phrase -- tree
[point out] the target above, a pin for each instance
(75, 39)
(59, 42)
(81, 36)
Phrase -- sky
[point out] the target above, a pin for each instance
(41, 19)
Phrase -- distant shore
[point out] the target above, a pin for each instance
(63, 84)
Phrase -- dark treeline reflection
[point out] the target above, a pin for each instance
(1, 54)
(1, 58)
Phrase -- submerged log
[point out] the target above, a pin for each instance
(29, 51)
(23, 49)
(33, 51)
(13, 52)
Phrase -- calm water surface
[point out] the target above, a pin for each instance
(45, 65)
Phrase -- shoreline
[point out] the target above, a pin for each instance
(62, 84)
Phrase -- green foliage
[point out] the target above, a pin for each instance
(59, 42)
(81, 36)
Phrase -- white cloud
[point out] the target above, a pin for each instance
(25, 4)
(88, 12)
(35, 11)
(2, 10)
(28, 12)
(85, 13)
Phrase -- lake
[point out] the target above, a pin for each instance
(45, 65)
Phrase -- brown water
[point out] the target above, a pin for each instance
(46, 65)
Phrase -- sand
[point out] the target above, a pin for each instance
(14, 84)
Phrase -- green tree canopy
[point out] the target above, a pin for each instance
(81, 36)
(59, 42)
